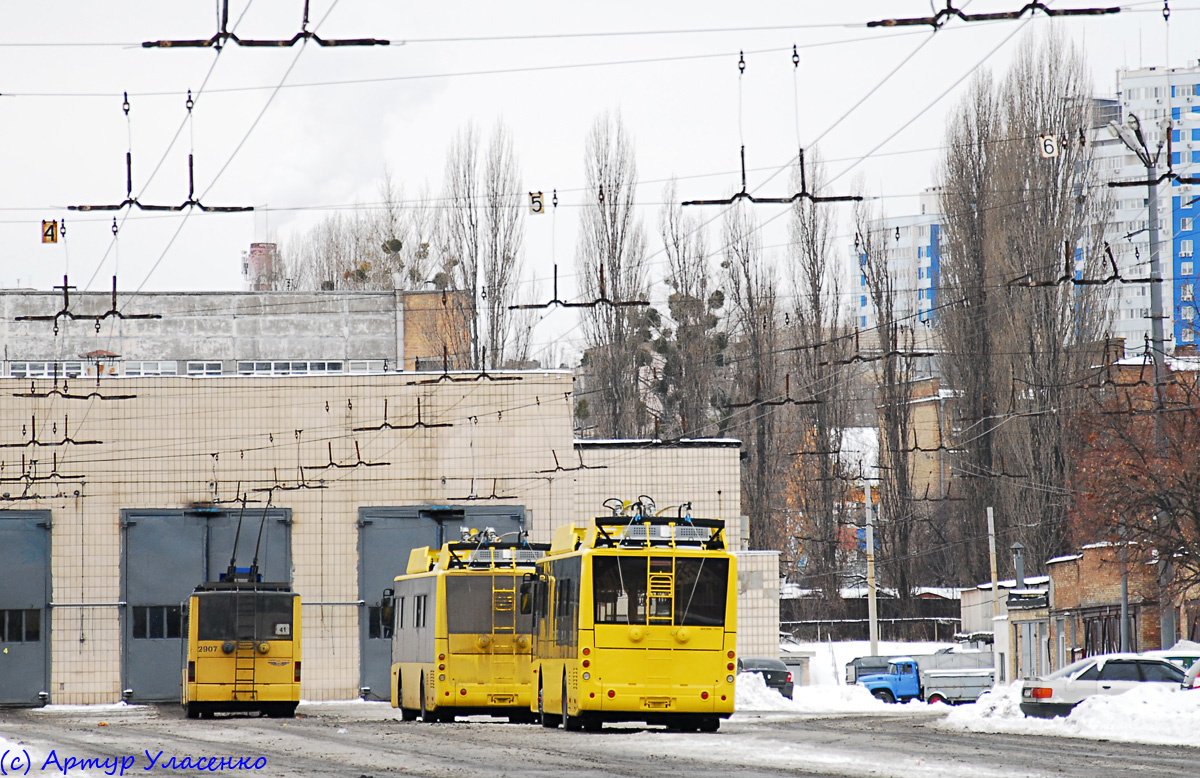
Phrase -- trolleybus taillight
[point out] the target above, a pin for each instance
(191, 672)
(297, 671)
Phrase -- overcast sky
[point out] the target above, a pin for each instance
(874, 100)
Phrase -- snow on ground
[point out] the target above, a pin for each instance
(1154, 713)
(752, 694)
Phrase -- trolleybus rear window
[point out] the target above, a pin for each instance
(697, 590)
(264, 616)
(485, 604)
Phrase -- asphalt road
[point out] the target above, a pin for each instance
(353, 740)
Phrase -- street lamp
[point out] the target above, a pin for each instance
(1131, 135)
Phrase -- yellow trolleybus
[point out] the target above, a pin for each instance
(635, 619)
(460, 645)
(243, 648)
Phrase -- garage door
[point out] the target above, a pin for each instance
(385, 538)
(164, 555)
(24, 611)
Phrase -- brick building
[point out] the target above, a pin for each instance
(1085, 604)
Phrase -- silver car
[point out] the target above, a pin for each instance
(1057, 693)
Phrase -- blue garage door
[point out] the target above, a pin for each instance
(24, 609)
(385, 538)
(165, 554)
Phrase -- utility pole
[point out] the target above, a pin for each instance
(998, 623)
(1131, 135)
(872, 612)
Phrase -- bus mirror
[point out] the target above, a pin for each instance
(526, 598)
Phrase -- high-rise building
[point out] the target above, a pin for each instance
(913, 249)
(1154, 95)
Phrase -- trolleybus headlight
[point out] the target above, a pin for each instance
(587, 676)
(729, 679)
(442, 677)
(228, 646)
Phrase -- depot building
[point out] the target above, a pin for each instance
(134, 452)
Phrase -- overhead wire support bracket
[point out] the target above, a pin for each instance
(803, 194)
(133, 201)
(97, 318)
(1068, 276)
(950, 12)
(224, 36)
(603, 299)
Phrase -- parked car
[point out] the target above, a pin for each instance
(1059, 692)
(774, 672)
(1192, 679)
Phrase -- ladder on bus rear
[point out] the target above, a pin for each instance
(660, 591)
(245, 623)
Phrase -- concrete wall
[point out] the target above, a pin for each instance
(227, 326)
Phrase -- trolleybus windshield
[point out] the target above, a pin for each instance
(218, 611)
(485, 604)
(698, 587)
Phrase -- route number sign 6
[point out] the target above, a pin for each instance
(1048, 145)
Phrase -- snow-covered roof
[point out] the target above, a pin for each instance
(1069, 558)
(1011, 583)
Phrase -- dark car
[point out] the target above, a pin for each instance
(774, 672)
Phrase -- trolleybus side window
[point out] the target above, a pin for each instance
(700, 590)
(399, 613)
(566, 574)
(619, 589)
(419, 610)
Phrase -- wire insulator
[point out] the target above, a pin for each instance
(114, 227)
(125, 104)
(554, 199)
(795, 56)
(190, 102)
(741, 62)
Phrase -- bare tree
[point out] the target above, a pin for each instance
(752, 296)
(690, 344)
(484, 233)
(611, 262)
(818, 478)
(1018, 333)
(898, 528)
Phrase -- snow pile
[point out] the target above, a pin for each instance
(752, 694)
(1155, 713)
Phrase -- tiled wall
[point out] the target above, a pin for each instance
(758, 603)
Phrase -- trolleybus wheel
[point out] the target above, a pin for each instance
(282, 710)
(406, 714)
(192, 711)
(710, 724)
(570, 723)
(548, 721)
(592, 725)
